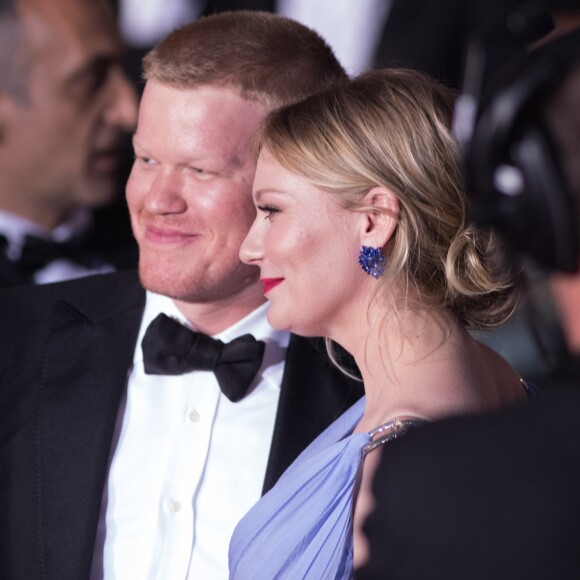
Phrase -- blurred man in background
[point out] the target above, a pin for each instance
(66, 108)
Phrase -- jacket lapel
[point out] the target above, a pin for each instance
(313, 394)
(8, 274)
(85, 364)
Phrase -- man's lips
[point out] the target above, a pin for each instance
(163, 235)
(269, 283)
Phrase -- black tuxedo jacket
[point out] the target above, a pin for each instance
(495, 497)
(9, 276)
(64, 356)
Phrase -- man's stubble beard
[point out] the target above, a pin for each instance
(192, 288)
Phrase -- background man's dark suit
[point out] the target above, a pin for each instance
(9, 275)
(60, 389)
(482, 498)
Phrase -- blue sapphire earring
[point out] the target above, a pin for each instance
(372, 261)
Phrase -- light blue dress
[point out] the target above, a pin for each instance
(302, 528)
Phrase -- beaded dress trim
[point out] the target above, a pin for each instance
(390, 431)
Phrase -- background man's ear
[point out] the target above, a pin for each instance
(380, 218)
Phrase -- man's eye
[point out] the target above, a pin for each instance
(200, 173)
(89, 81)
(144, 160)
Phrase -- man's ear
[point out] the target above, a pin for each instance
(380, 217)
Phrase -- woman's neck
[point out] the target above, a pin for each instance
(427, 365)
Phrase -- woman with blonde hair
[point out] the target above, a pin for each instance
(362, 236)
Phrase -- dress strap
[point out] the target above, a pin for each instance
(390, 431)
(530, 389)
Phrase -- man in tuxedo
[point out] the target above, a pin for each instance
(126, 461)
(498, 496)
(66, 110)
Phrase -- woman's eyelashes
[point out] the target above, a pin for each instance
(269, 210)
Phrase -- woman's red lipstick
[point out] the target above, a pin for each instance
(269, 283)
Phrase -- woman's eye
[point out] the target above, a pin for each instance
(268, 210)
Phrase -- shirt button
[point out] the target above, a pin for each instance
(174, 506)
(194, 416)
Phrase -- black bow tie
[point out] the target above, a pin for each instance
(38, 253)
(169, 348)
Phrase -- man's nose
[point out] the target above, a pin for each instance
(123, 106)
(165, 195)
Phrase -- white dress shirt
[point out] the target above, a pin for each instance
(187, 463)
(15, 229)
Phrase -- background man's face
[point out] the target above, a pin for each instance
(63, 146)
